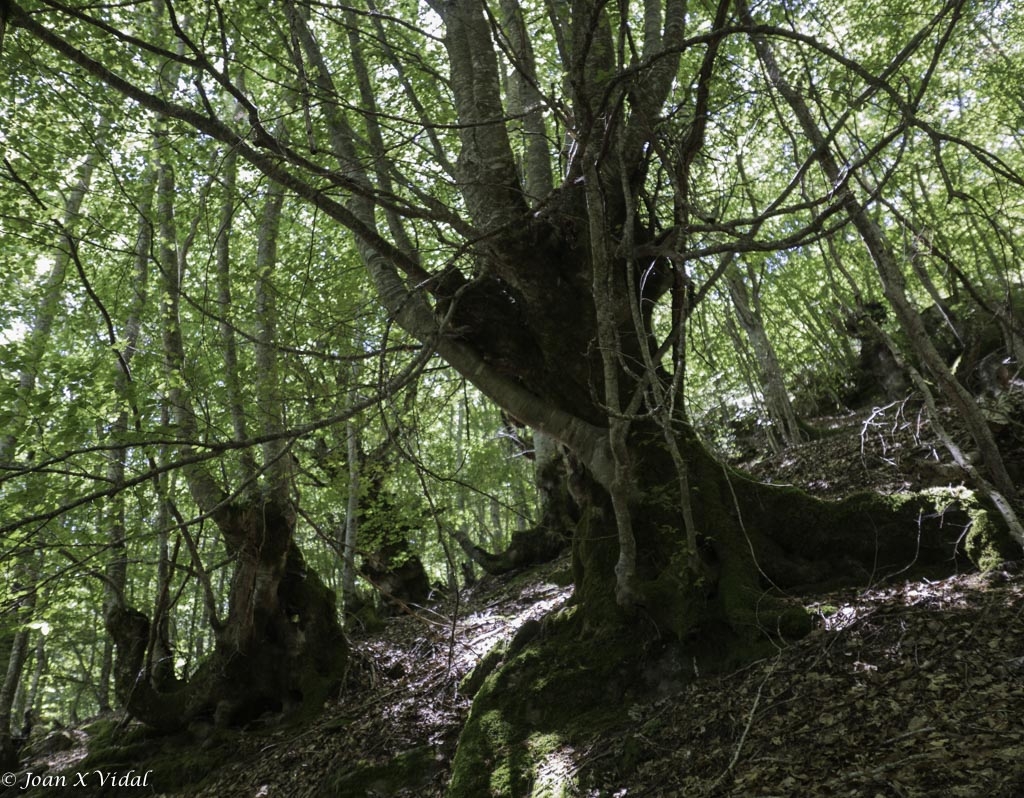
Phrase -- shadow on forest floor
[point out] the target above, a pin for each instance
(904, 689)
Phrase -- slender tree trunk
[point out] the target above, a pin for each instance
(748, 371)
(280, 647)
(24, 589)
(28, 709)
(229, 344)
(769, 372)
(351, 536)
(106, 673)
(116, 571)
(525, 103)
(277, 460)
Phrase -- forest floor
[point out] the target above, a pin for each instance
(904, 689)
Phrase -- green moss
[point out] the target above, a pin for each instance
(487, 747)
(110, 744)
(814, 544)
(563, 577)
(595, 552)
(188, 767)
(988, 543)
(175, 764)
(557, 693)
(676, 599)
(555, 768)
(104, 731)
(473, 681)
(701, 612)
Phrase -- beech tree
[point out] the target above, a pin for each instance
(536, 192)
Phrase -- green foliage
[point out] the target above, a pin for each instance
(927, 133)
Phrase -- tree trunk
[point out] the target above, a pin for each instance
(288, 656)
(15, 663)
(106, 673)
(280, 648)
(527, 548)
(351, 529)
(769, 372)
(553, 531)
(24, 570)
(232, 380)
(24, 588)
(546, 306)
(28, 709)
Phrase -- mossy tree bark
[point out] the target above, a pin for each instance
(755, 543)
(279, 651)
(692, 617)
(555, 323)
(387, 529)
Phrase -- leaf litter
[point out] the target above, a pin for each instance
(907, 690)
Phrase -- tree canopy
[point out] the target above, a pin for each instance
(284, 284)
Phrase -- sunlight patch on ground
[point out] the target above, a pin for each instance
(942, 595)
(487, 628)
(556, 776)
(835, 618)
